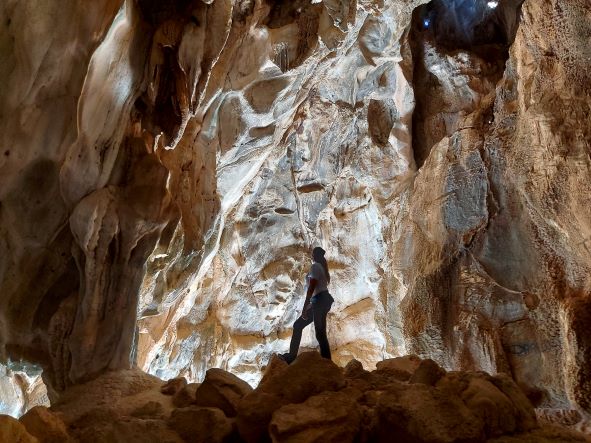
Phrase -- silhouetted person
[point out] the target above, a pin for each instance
(316, 307)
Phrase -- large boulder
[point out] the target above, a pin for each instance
(494, 408)
(185, 396)
(327, 417)
(201, 425)
(391, 370)
(524, 411)
(399, 368)
(354, 369)
(418, 413)
(129, 430)
(150, 409)
(12, 431)
(45, 425)
(497, 401)
(275, 367)
(308, 375)
(222, 390)
(173, 385)
(254, 414)
(107, 397)
(428, 372)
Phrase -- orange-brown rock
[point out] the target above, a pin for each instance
(308, 375)
(329, 416)
(12, 431)
(418, 413)
(275, 366)
(400, 368)
(222, 390)
(354, 369)
(46, 426)
(174, 385)
(309, 400)
(201, 425)
(185, 396)
(427, 372)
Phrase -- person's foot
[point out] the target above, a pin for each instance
(286, 357)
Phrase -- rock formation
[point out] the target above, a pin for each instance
(309, 401)
(166, 166)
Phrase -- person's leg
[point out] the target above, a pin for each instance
(320, 313)
(296, 336)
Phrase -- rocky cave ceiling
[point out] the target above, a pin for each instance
(166, 165)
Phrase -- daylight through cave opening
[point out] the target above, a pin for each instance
(459, 49)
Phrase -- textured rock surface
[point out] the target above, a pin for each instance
(330, 416)
(11, 431)
(21, 388)
(45, 426)
(165, 169)
(503, 263)
(221, 390)
(358, 406)
(198, 424)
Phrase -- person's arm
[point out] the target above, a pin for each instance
(309, 293)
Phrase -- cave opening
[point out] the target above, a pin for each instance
(459, 50)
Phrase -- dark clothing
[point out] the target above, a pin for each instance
(320, 305)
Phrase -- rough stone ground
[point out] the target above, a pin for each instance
(405, 399)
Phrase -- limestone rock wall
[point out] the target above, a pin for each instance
(297, 166)
(166, 167)
(502, 257)
(45, 51)
(21, 388)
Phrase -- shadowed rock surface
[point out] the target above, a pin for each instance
(311, 400)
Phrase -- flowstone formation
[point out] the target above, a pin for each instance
(405, 399)
(166, 166)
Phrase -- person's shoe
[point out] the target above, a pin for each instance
(287, 358)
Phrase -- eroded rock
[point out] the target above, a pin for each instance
(427, 372)
(330, 416)
(201, 424)
(425, 414)
(185, 396)
(313, 402)
(400, 368)
(222, 390)
(174, 385)
(46, 426)
(309, 374)
(12, 431)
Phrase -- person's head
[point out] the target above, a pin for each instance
(318, 257)
(318, 254)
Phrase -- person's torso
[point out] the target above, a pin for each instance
(317, 272)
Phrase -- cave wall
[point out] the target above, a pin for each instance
(313, 137)
(502, 257)
(166, 167)
(45, 49)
